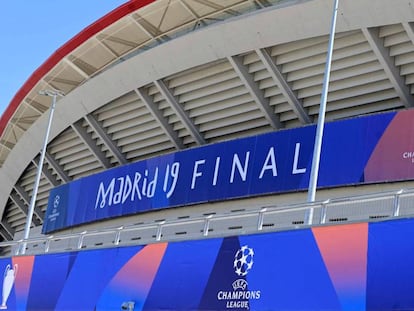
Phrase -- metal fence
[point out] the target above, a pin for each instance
(366, 208)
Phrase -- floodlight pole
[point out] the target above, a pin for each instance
(313, 180)
(54, 94)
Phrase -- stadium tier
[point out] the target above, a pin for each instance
(180, 153)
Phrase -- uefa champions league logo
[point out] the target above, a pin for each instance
(54, 213)
(56, 201)
(241, 295)
(243, 260)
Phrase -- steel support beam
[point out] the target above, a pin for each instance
(109, 143)
(156, 113)
(255, 91)
(388, 63)
(149, 29)
(87, 68)
(17, 199)
(90, 143)
(409, 28)
(23, 194)
(29, 103)
(181, 113)
(6, 144)
(218, 7)
(76, 68)
(7, 227)
(197, 18)
(283, 85)
(58, 169)
(6, 231)
(46, 173)
(106, 47)
(114, 39)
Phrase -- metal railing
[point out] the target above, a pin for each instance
(365, 208)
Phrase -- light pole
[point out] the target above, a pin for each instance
(313, 180)
(54, 94)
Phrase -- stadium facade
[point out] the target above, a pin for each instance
(178, 161)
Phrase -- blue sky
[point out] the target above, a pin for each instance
(31, 30)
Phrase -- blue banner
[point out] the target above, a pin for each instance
(269, 163)
(363, 266)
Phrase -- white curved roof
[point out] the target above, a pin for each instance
(153, 77)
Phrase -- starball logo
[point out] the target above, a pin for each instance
(56, 201)
(55, 210)
(240, 296)
(243, 260)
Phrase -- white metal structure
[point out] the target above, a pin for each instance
(366, 208)
(154, 77)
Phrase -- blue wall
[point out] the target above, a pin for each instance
(365, 266)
